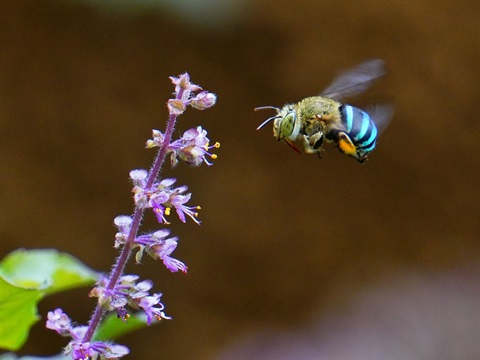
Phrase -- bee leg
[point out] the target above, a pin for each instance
(306, 145)
(363, 159)
(313, 144)
(316, 140)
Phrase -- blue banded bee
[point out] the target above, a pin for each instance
(324, 118)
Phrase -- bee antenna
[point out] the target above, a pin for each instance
(266, 122)
(266, 107)
(270, 118)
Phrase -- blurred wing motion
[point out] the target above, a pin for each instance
(355, 81)
(381, 115)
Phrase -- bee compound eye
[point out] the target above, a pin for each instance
(287, 124)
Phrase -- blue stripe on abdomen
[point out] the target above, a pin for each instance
(369, 144)
(365, 122)
(348, 117)
(360, 128)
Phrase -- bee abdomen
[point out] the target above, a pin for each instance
(359, 127)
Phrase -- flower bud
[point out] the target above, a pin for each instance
(175, 107)
(204, 100)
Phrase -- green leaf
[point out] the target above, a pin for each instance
(112, 327)
(46, 269)
(18, 313)
(26, 277)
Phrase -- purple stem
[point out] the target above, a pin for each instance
(122, 260)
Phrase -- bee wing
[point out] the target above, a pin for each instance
(381, 115)
(356, 80)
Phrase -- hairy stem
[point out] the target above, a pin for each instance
(122, 260)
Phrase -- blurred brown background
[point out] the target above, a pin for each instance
(286, 240)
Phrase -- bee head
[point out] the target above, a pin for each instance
(285, 125)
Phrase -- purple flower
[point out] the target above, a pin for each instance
(178, 202)
(174, 265)
(109, 299)
(115, 351)
(164, 251)
(141, 289)
(161, 198)
(161, 211)
(195, 137)
(123, 223)
(97, 349)
(158, 237)
(193, 147)
(139, 176)
(82, 350)
(127, 292)
(59, 322)
(157, 246)
(135, 295)
(149, 243)
(156, 140)
(166, 183)
(153, 308)
(78, 333)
